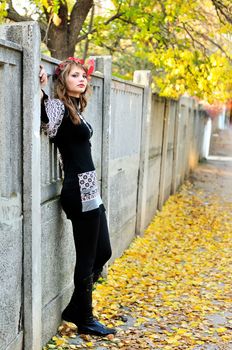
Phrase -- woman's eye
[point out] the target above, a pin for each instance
(78, 75)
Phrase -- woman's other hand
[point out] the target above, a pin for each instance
(43, 78)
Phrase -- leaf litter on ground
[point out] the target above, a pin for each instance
(171, 284)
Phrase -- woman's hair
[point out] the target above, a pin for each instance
(60, 90)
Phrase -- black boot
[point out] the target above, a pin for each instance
(97, 275)
(79, 311)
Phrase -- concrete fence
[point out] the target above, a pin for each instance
(143, 146)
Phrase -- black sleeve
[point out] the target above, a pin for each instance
(44, 117)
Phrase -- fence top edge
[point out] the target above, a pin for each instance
(10, 45)
(128, 82)
(49, 59)
(159, 98)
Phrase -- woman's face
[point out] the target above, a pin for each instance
(76, 81)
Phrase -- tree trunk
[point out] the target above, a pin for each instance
(57, 43)
(62, 39)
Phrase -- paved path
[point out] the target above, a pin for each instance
(211, 179)
(215, 177)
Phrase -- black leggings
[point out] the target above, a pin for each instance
(92, 243)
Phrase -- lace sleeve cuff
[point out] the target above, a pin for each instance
(54, 109)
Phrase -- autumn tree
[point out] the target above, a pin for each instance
(60, 22)
(187, 44)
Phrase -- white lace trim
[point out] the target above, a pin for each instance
(55, 112)
(90, 197)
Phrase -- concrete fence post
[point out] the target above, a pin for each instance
(188, 137)
(164, 151)
(27, 34)
(103, 64)
(144, 78)
(187, 103)
(175, 149)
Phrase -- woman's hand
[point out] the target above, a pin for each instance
(43, 78)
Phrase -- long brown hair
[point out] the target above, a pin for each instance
(61, 90)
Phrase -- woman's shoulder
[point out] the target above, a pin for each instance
(54, 104)
(55, 108)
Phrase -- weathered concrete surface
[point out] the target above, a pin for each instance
(124, 161)
(11, 220)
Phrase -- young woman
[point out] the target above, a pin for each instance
(64, 123)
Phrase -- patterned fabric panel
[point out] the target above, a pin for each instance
(90, 196)
(55, 112)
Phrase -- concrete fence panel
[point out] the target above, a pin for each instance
(27, 150)
(154, 155)
(170, 148)
(180, 144)
(124, 160)
(197, 136)
(11, 220)
(167, 163)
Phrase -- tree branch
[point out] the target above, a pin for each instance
(82, 37)
(127, 21)
(217, 45)
(89, 30)
(194, 40)
(223, 9)
(78, 15)
(13, 15)
(205, 37)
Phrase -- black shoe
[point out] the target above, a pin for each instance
(79, 311)
(94, 327)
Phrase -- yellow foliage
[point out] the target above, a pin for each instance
(171, 279)
(176, 274)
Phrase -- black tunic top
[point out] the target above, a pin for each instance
(79, 195)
